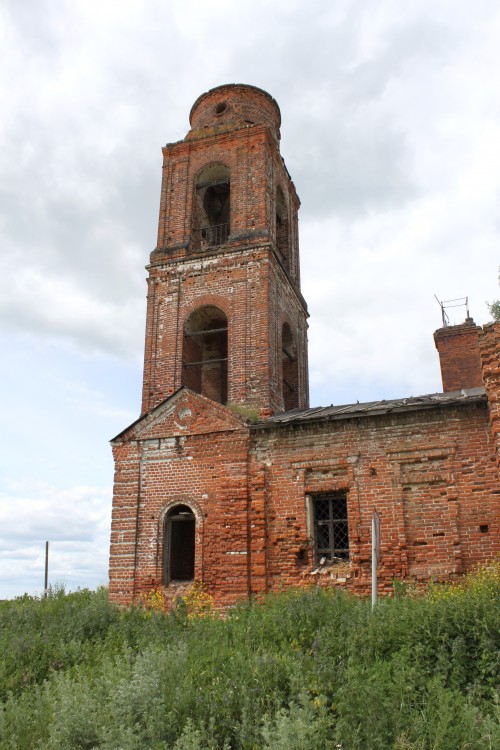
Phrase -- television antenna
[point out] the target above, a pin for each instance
(449, 303)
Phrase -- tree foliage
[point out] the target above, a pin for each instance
(494, 308)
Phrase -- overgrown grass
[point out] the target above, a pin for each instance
(307, 669)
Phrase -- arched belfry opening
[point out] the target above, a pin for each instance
(282, 226)
(179, 544)
(289, 369)
(211, 207)
(204, 353)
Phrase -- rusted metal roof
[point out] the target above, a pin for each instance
(376, 408)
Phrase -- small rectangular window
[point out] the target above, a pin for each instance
(331, 531)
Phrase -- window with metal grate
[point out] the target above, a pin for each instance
(331, 531)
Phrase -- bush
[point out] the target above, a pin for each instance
(41, 635)
(310, 668)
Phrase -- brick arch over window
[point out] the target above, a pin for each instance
(211, 206)
(204, 353)
(282, 226)
(179, 537)
(289, 369)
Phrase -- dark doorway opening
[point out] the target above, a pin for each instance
(179, 554)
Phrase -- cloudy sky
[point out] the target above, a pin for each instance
(391, 132)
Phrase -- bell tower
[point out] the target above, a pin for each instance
(225, 314)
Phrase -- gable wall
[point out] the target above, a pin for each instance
(208, 472)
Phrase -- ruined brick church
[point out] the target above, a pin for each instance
(228, 476)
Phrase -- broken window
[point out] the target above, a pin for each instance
(211, 209)
(204, 353)
(179, 545)
(282, 227)
(331, 532)
(289, 369)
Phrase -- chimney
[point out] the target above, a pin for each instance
(459, 357)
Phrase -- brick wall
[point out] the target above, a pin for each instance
(458, 348)
(431, 473)
(189, 452)
(489, 341)
(234, 104)
(249, 277)
(256, 298)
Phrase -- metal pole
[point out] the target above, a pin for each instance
(374, 564)
(46, 587)
(375, 553)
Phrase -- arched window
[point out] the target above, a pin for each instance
(211, 209)
(289, 369)
(204, 353)
(179, 547)
(282, 226)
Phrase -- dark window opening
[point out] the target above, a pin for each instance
(179, 544)
(204, 353)
(211, 209)
(282, 226)
(220, 108)
(289, 369)
(331, 531)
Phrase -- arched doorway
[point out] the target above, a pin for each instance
(179, 544)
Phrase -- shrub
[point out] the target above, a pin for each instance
(311, 668)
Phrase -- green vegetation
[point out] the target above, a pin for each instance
(494, 308)
(245, 412)
(306, 670)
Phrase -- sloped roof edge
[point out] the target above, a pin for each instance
(374, 408)
(146, 414)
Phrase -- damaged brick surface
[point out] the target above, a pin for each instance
(216, 467)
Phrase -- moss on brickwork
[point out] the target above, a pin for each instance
(248, 414)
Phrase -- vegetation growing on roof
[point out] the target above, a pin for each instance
(246, 412)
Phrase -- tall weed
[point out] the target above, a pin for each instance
(305, 669)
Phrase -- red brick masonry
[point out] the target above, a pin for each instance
(458, 348)
(248, 471)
